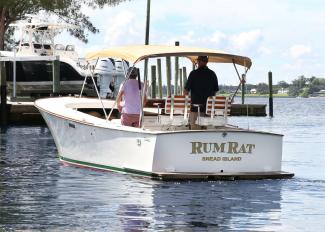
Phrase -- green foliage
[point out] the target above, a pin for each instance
(293, 91)
(283, 84)
(305, 92)
(8, 39)
(316, 85)
(297, 86)
(262, 88)
(302, 86)
(300, 82)
(305, 87)
(68, 11)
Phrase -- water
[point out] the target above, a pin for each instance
(39, 193)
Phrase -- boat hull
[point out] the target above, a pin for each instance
(218, 151)
(101, 148)
(217, 154)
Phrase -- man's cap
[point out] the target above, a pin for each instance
(203, 58)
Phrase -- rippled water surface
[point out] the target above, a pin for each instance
(39, 193)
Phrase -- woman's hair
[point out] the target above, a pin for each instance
(133, 72)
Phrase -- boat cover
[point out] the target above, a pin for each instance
(136, 53)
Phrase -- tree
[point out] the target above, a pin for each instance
(9, 39)
(283, 84)
(316, 84)
(305, 92)
(300, 82)
(299, 86)
(67, 11)
(262, 88)
(250, 86)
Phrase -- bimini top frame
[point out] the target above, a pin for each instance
(137, 53)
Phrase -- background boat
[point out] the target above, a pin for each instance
(32, 62)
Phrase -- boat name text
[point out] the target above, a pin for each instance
(227, 147)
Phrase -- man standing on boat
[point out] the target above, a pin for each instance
(201, 83)
(129, 99)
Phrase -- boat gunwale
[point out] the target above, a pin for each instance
(146, 131)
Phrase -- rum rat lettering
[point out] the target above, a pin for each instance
(228, 147)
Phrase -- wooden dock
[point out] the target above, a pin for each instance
(257, 110)
(23, 111)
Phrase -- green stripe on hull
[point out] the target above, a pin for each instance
(186, 176)
(106, 167)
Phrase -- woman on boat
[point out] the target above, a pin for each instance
(129, 99)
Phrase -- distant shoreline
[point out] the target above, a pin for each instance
(267, 95)
(261, 95)
(274, 96)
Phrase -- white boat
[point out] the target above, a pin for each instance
(163, 147)
(31, 63)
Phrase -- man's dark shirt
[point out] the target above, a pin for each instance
(202, 83)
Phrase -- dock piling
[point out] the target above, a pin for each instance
(181, 81)
(176, 71)
(169, 75)
(56, 76)
(184, 77)
(270, 95)
(146, 42)
(159, 78)
(153, 81)
(243, 89)
(14, 91)
(3, 89)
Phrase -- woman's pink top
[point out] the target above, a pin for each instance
(131, 98)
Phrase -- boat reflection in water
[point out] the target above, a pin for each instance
(213, 206)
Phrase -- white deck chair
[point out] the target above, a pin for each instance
(217, 110)
(177, 109)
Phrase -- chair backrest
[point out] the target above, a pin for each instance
(59, 47)
(70, 48)
(177, 104)
(218, 105)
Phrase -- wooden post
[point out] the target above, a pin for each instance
(145, 69)
(184, 77)
(243, 90)
(159, 78)
(153, 81)
(169, 75)
(181, 81)
(147, 38)
(3, 89)
(14, 77)
(176, 71)
(56, 76)
(270, 95)
(147, 23)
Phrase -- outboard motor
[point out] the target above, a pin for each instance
(105, 73)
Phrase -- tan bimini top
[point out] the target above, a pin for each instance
(136, 53)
